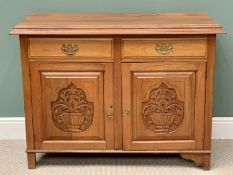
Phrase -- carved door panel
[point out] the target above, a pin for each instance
(72, 105)
(163, 105)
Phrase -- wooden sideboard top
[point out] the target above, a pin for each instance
(117, 23)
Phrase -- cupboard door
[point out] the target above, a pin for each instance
(72, 106)
(163, 105)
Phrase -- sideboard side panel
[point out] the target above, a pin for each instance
(209, 91)
(27, 101)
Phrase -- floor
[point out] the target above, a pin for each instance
(13, 162)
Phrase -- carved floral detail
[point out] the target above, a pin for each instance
(72, 111)
(163, 112)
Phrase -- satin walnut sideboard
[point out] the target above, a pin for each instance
(118, 83)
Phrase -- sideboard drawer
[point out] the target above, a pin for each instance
(164, 47)
(71, 47)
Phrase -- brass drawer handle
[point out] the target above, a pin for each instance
(163, 48)
(69, 49)
(109, 112)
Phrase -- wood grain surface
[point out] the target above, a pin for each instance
(119, 83)
(117, 23)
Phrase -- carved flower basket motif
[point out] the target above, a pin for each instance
(72, 111)
(163, 112)
(162, 120)
(73, 121)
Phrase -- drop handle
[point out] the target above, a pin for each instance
(126, 112)
(69, 49)
(109, 112)
(163, 48)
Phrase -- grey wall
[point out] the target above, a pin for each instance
(11, 11)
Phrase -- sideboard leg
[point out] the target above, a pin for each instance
(31, 160)
(199, 159)
(206, 162)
